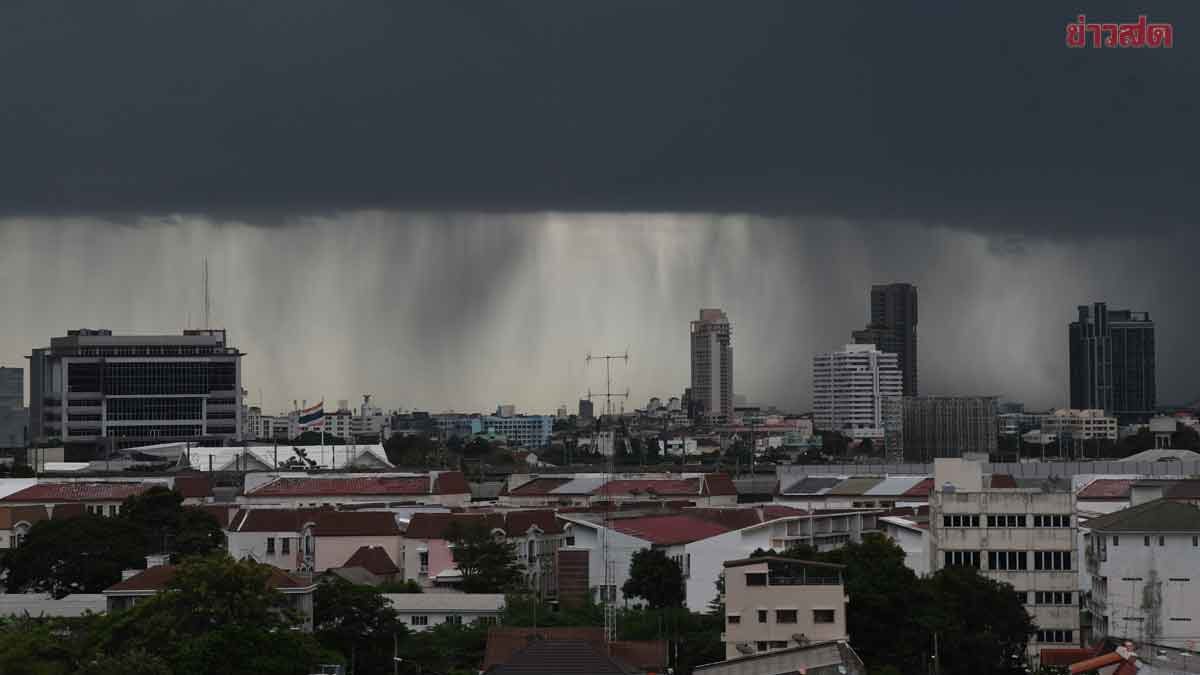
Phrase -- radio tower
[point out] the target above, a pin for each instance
(608, 593)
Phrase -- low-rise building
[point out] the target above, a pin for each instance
(313, 540)
(773, 603)
(572, 490)
(423, 611)
(97, 498)
(1144, 563)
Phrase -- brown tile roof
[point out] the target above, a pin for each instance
(374, 559)
(451, 483)
(435, 525)
(355, 486)
(505, 641)
(1002, 481)
(194, 486)
(538, 487)
(519, 522)
(744, 516)
(77, 492)
(1106, 488)
(719, 484)
(222, 513)
(157, 578)
(559, 657)
(921, 489)
(1065, 656)
(270, 520)
(355, 524)
(673, 487)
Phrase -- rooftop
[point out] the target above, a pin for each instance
(1160, 515)
(1107, 488)
(78, 492)
(331, 487)
(668, 530)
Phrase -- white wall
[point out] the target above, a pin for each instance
(1170, 564)
(621, 548)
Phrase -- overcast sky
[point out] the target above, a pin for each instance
(448, 204)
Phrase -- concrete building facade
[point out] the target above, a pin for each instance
(852, 389)
(774, 603)
(1022, 537)
(92, 388)
(712, 365)
(948, 426)
(14, 417)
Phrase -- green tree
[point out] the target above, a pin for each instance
(74, 555)
(216, 615)
(991, 641)
(414, 450)
(655, 578)
(488, 564)
(358, 622)
(406, 586)
(135, 662)
(33, 647)
(169, 527)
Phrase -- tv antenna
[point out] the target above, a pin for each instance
(608, 392)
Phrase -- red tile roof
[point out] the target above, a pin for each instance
(1106, 488)
(1096, 663)
(745, 516)
(77, 492)
(194, 486)
(157, 578)
(921, 489)
(539, 486)
(687, 486)
(505, 641)
(719, 484)
(373, 559)
(1065, 656)
(270, 520)
(451, 483)
(336, 487)
(668, 530)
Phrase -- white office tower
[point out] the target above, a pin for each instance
(852, 389)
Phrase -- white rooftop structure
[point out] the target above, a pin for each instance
(43, 605)
(1163, 455)
(264, 457)
(895, 485)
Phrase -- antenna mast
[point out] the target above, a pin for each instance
(207, 325)
(608, 392)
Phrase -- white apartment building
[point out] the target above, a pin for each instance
(1019, 536)
(774, 603)
(522, 431)
(1080, 424)
(712, 365)
(1144, 564)
(850, 388)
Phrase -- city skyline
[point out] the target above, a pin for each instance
(465, 313)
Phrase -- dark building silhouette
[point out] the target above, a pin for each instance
(893, 328)
(1112, 362)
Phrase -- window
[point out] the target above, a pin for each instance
(823, 616)
(1052, 561)
(1162, 541)
(455, 619)
(1051, 520)
(785, 616)
(962, 559)
(570, 541)
(1117, 541)
(112, 509)
(423, 557)
(1180, 618)
(1195, 541)
(270, 545)
(756, 579)
(960, 520)
(285, 546)
(1178, 579)
(734, 618)
(419, 620)
(1054, 598)
(1023, 597)
(1056, 636)
(1007, 560)
(762, 646)
(762, 616)
(1006, 520)
(779, 644)
(1147, 540)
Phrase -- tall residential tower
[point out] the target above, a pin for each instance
(712, 365)
(893, 328)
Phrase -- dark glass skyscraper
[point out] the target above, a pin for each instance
(893, 328)
(1112, 362)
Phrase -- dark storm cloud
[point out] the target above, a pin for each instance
(971, 114)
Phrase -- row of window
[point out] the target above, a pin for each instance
(1006, 520)
(285, 546)
(423, 620)
(1162, 541)
(99, 509)
(1056, 636)
(1010, 560)
(788, 616)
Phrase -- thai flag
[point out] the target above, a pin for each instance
(312, 417)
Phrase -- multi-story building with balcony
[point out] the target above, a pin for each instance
(1024, 537)
(855, 391)
(94, 390)
(774, 603)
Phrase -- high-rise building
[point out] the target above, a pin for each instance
(94, 390)
(851, 391)
(13, 415)
(893, 328)
(586, 410)
(712, 365)
(948, 426)
(1112, 362)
